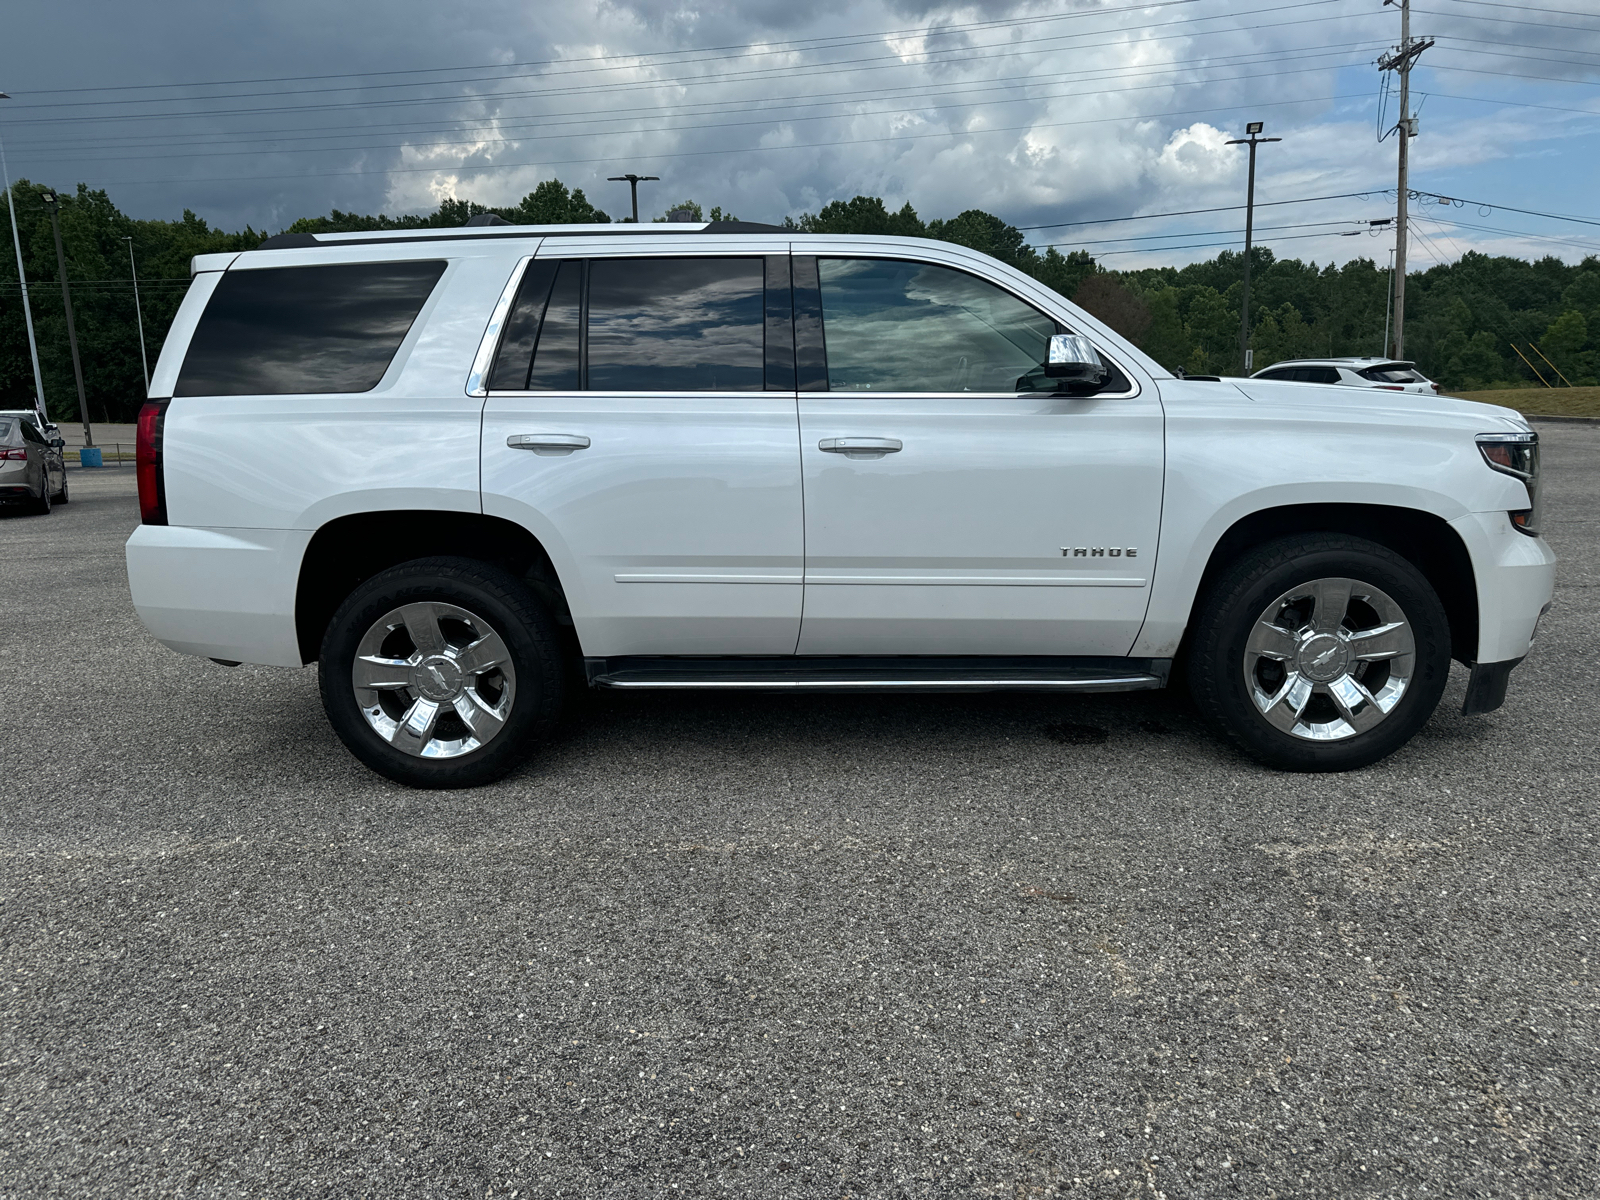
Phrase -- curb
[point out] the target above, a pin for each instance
(1562, 420)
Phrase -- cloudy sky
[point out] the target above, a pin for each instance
(1056, 116)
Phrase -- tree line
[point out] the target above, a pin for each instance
(1479, 322)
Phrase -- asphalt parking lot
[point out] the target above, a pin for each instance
(778, 946)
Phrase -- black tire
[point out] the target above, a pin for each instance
(61, 496)
(41, 506)
(500, 600)
(1228, 614)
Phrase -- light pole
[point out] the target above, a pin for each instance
(1253, 129)
(22, 278)
(139, 315)
(52, 203)
(633, 182)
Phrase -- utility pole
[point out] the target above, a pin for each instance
(1246, 355)
(22, 278)
(1401, 61)
(52, 203)
(139, 315)
(633, 182)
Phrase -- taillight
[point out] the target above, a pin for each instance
(20, 454)
(1390, 387)
(147, 460)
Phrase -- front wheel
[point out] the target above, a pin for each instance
(1320, 653)
(441, 672)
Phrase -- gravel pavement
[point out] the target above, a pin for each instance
(782, 946)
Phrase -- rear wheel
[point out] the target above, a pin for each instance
(1320, 653)
(41, 506)
(61, 496)
(441, 672)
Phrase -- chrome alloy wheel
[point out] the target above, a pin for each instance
(434, 679)
(1329, 659)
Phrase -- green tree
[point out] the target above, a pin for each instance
(862, 214)
(1105, 299)
(1165, 339)
(988, 234)
(1064, 273)
(1563, 343)
(551, 204)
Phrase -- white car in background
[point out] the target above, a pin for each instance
(1392, 375)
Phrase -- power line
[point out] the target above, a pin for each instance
(1565, 12)
(634, 59)
(847, 66)
(1435, 12)
(1517, 233)
(1191, 212)
(910, 137)
(1510, 74)
(1483, 204)
(1202, 233)
(588, 132)
(1293, 237)
(824, 99)
(811, 99)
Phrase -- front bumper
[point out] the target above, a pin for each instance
(1516, 577)
(219, 593)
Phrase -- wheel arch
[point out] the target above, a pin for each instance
(1425, 540)
(349, 550)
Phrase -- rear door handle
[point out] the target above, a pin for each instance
(861, 447)
(548, 443)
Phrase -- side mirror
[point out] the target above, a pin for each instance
(1074, 361)
(57, 443)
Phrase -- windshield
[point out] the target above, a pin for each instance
(8, 431)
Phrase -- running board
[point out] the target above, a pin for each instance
(882, 674)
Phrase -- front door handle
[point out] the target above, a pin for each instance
(861, 447)
(548, 443)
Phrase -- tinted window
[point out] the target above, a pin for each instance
(295, 330)
(1324, 374)
(515, 356)
(894, 326)
(1285, 373)
(556, 358)
(1392, 375)
(676, 324)
(29, 433)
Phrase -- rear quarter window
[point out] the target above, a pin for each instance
(304, 330)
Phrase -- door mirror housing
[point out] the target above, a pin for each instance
(1074, 361)
(57, 443)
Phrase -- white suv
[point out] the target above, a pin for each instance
(1385, 373)
(463, 470)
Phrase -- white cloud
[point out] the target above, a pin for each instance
(1064, 114)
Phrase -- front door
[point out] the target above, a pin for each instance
(630, 427)
(950, 508)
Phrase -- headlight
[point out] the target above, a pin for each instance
(1516, 454)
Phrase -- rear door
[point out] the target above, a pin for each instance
(953, 504)
(641, 423)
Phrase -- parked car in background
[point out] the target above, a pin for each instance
(1389, 374)
(51, 432)
(31, 469)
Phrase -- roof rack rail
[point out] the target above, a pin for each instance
(502, 228)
